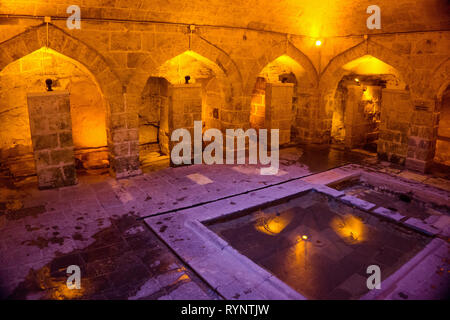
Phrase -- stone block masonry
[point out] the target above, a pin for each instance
(51, 136)
(279, 109)
(396, 111)
(185, 107)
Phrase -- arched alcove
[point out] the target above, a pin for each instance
(189, 70)
(380, 91)
(285, 78)
(122, 161)
(88, 109)
(361, 117)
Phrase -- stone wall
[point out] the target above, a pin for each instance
(185, 107)
(443, 140)
(123, 55)
(258, 104)
(396, 116)
(279, 109)
(88, 111)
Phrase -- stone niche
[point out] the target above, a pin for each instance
(51, 136)
(278, 109)
(185, 107)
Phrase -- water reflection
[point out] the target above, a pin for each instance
(272, 224)
(350, 228)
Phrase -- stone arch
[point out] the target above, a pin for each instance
(305, 93)
(63, 43)
(333, 72)
(228, 74)
(283, 48)
(393, 141)
(111, 88)
(147, 65)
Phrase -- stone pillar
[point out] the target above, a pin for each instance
(354, 121)
(303, 121)
(185, 107)
(51, 135)
(279, 109)
(396, 109)
(422, 136)
(123, 137)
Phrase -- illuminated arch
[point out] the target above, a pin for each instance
(63, 43)
(203, 50)
(334, 72)
(283, 48)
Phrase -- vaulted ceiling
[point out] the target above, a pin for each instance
(308, 17)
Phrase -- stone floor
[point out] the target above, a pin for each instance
(97, 225)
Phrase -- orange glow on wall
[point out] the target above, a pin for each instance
(188, 63)
(28, 74)
(368, 65)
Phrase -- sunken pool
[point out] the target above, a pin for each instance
(318, 245)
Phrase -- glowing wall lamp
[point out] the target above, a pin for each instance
(303, 238)
(318, 43)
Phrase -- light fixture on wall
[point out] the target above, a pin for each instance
(318, 43)
(49, 83)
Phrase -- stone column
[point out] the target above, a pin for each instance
(123, 137)
(422, 136)
(354, 117)
(396, 109)
(51, 135)
(279, 109)
(303, 121)
(185, 107)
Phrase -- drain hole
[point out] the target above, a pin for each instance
(405, 198)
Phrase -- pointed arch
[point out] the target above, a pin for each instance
(35, 38)
(334, 72)
(149, 63)
(122, 160)
(283, 48)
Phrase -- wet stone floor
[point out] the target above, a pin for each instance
(97, 225)
(320, 246)
(124, 261)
